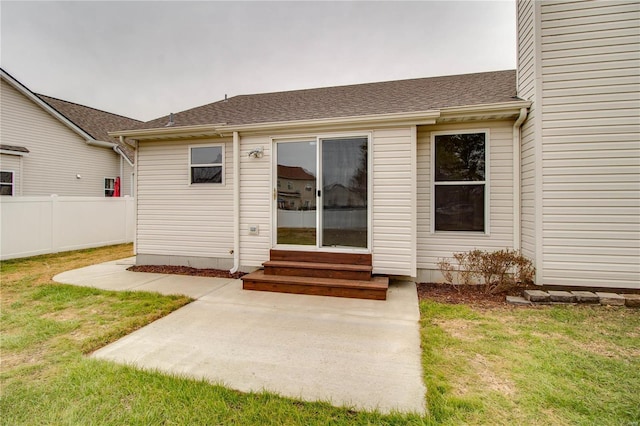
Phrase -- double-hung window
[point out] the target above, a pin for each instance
(109, 187)
(6, 183)
(460, 181)
(206, 164)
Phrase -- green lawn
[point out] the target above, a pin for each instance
(551, 365)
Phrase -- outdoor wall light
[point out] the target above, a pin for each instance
(256, 152)
(78, 176)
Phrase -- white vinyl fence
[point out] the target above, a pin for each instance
(334, 219)
(39, 225)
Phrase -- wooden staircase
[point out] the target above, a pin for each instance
(318, 273)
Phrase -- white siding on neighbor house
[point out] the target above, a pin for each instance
(255, 201)
(393, 203)
(527, 86)
(12, 163)
(175, 218)
(591, 143)
(433, 246)
(57, 154)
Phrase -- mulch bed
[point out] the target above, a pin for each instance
(185, 270)
(465, 294)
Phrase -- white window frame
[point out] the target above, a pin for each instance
(318, 138)
(105, 187)
(485, 182)
(221, 164)
(13, 182)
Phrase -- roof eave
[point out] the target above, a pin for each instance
(417, 117)
(484, 111)
(169, 132)
(11, 152)
(502, 109)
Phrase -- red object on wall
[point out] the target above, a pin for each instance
(116, 191)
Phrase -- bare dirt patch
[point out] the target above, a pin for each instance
(185, 270)
(459, 328)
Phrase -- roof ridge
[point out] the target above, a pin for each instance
(365, 84)
(86, 106)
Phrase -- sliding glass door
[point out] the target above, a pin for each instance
(321, 193)
(296, 179)
(344, 192)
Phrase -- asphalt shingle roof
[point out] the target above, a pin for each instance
(94, 121)
(400, 96)
(294, 173)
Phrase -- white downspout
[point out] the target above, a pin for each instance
(236, 203)
(517, 179)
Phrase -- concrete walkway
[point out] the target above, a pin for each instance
(363, 354)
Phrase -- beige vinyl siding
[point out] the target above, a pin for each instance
(12, 163)
(527, 85)
(57, 154)
(175, 218)
(590, 143)
(255, 201)
(433, 246)
(393, 206)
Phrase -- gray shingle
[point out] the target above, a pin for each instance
(94, 121)
(356, 100)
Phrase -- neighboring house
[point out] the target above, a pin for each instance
(296, 188)
(543, 159)
(50, 146)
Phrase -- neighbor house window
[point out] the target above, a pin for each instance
(206, 164)
(6, 183)
(459, 181)
(109, 187)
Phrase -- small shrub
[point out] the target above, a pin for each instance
(496, 271)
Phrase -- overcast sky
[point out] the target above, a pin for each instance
(146, 59)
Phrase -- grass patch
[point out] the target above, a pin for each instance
(550, 365)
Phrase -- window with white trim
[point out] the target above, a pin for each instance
(109, 187)
(6, 183)
(459, 181)
(206, 164)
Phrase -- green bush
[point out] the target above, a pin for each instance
(496, 271)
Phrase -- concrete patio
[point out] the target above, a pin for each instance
(363, 354)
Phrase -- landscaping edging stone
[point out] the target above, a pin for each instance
(537, 296)
(540, 297)
(612, 299)
(632, 300)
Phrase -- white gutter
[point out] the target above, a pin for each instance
(119, 150)
(101, 144)
(236, 203)
(517, 190)
(417, 118)
(168, 131)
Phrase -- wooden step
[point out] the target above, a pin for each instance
(375, 288)
(321, 257)
(318, 270)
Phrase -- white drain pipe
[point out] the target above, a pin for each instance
(236, 203)
(517, 179)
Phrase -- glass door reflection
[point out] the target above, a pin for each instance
(344, 192)
(296, 193)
